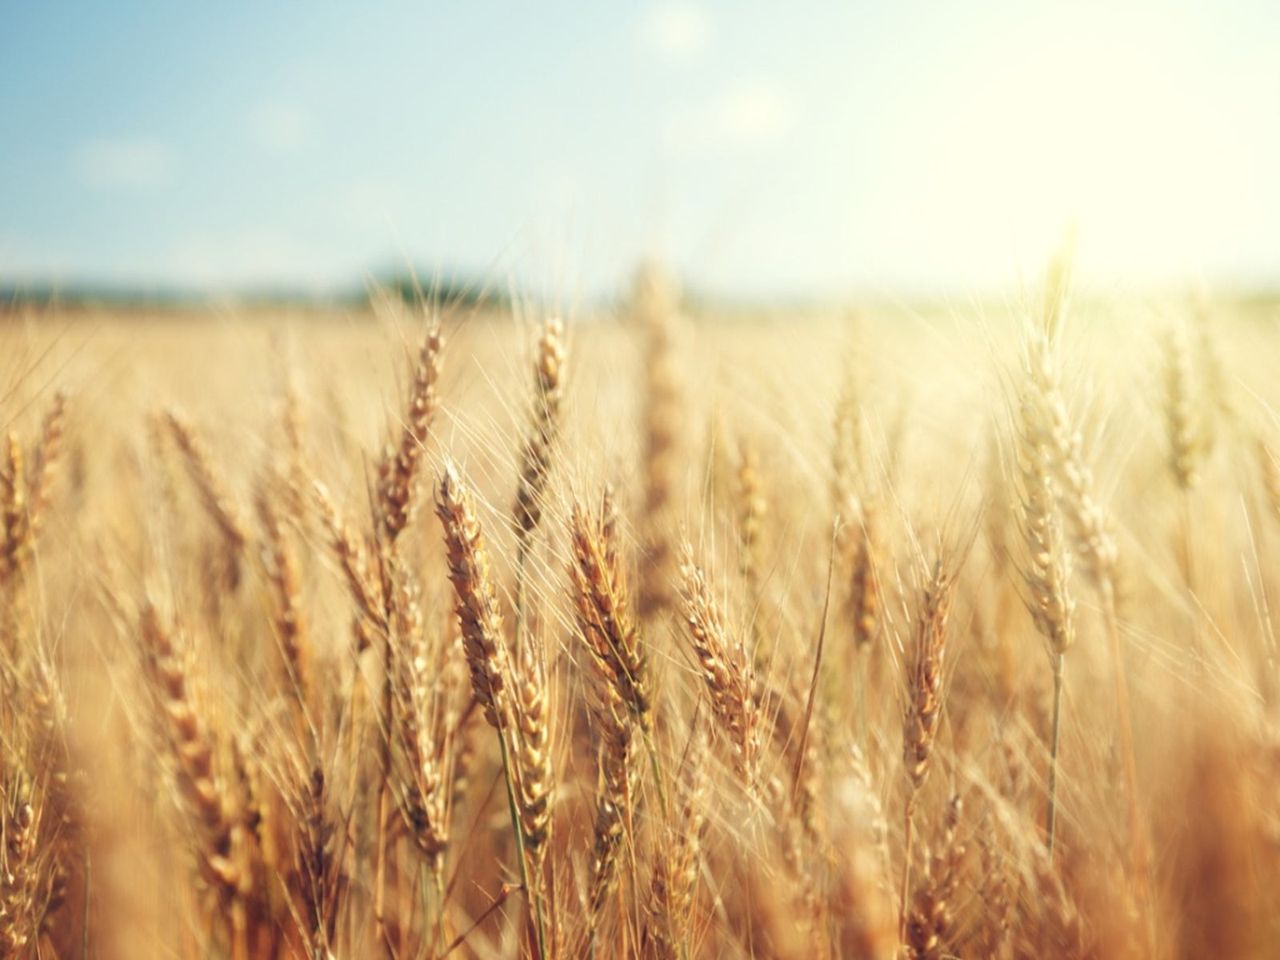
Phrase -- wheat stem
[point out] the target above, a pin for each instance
(1051, 818)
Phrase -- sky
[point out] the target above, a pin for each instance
(761, 149)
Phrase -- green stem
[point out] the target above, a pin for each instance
(908, 837)
(437, 884)
(521, 624)
(658, 780)
(1139, 847)
(536, 896)
(1052, 817)
(522, 557)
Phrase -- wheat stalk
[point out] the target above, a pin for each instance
(475, 604)
(1046, 574)
(726, 669)
(212, 488)
(48, 453)
(219, 833)
(398, 471)
(20, 873)
(654, 304)
(923, 711)
(281, 567)
(544, 426)
(603, 608)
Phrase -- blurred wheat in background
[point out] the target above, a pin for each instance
(919, 636)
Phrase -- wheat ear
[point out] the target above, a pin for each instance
(923, 712)
(398, 470)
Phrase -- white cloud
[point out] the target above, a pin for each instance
(280, 127)
(753, 113)
(677, 31)
(126, 162)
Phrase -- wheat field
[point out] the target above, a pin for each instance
(425, 632)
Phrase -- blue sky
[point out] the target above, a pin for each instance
(763, 149)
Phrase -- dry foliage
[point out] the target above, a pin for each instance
(818, 682)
